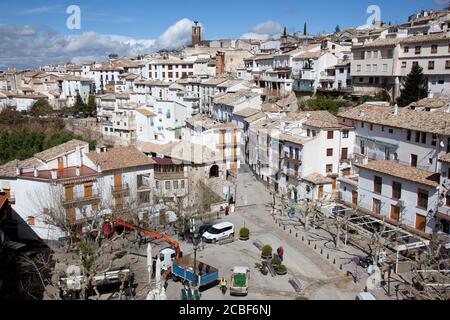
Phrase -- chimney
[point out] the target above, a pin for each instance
(77, 171)
(36, 172)
(18, 171)
(395, 110)
(54, 174)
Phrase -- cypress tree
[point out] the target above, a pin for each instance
(305, 31)
(415, 87)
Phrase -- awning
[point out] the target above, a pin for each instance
(377, 141)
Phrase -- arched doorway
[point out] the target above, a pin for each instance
(214, 171)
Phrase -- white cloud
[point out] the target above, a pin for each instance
(44, 9)
(263, 31)
(29, 46)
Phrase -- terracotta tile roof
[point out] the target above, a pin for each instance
(66, 173)
(208, 123)
(425, 38)
(398, 170)
(293, 138)
(146, 112)
(8, 170)
(270, 107)
(183, 151)
(247, 112)
(54, 152)
(231, 99)
(433, 122)
(255, 117)
(120, 158)
(214, 81)
(317, 179)
(445, 158)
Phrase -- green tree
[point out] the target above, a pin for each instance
(41, 108)
(79, 105)
(415, 87)
(305, 30)
(10, 117)
(338, 29)
(92, 105)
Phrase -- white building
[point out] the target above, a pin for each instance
(72, 86)
(226, 104)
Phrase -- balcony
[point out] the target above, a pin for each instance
(120, 190)
(81, 198)
(169, 175)
(302, 88)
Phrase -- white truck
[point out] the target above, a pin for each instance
(239, 281)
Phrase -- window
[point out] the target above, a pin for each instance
(424, 137)
(382, 128)
(418, 49)
(167, 185)
(447, 64)
(415, 63)
(329, 168)
(408, 135)
(362, 124)
(377, 183)
(417, 136)
(404, 64)
(175, 185)
(421, 222)
(406, 50)
(330, 135)
(395, 213)
(344, 155)
(368, 67)
(385, 67)
(308, 132)
(414, 160)
(431, 65)
(391, 131)
(434, 48)
(374, 68)
(396, 190)
(371, 127)
(345, 134)
(422, 199)
(31, 221)
(434, 140)
(358, 68)
(329, 152)
(447, 200)
(182, 184)
(157, 184)
(376, 206)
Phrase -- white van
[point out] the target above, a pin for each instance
(365, 296)
(217, 232)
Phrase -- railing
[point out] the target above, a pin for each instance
(120, 189)
(169, 175)
(81, 197)
(302, 88)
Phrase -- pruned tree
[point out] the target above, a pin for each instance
(415, 87)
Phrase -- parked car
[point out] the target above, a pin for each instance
(365, 296)
(217, 232)
(203, 228)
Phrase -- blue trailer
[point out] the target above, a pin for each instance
(183, 270)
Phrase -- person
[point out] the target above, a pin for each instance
(227, 211)
(280, 252)
(223, 285)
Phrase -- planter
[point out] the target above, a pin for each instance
(266, 252)
(281, 270)
(281, 273)
(266, 257)
(244, 234)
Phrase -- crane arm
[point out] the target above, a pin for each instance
(153, 234)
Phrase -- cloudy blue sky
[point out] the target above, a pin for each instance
(34, 32)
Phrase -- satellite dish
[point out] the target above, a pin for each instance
(442, 144)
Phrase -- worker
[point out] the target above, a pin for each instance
(223, 285)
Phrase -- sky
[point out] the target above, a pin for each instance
(34, 32)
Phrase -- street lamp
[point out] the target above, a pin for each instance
(195, 241)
